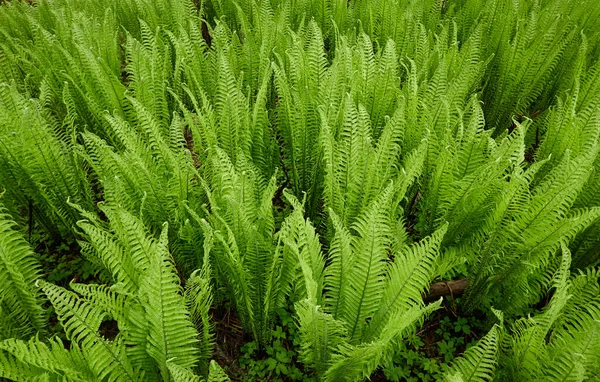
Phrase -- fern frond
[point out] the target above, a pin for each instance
(301, 249)
(341, 264)
(40, 358)
(182, 374)
(321, 335)
(171, 335)
(370, 248)
(21, 312)
(216, 373)
(111, 302)
(355, 362)
(406, 279)
(198, 299)
(81, 321)
(479, 361)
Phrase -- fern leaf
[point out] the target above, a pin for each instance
(81, 321)
(52, 359)
(320, 333)
(370, 250)
(21, 312)
(407, 278)
(356, 362)
(171, 335)
(216, 373)
(479, 361)
(338, 272)
(182, 374)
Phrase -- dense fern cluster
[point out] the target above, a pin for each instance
(333, 158)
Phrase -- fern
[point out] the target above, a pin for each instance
(370, 304)
(27, 360)
(410, 274)
(359, 361)
(163, 303)
(21, 309)
(478, 362)
(327, 158)
(244, 252)
(198, 299)
(81, 321)
(40, 171)
(156, 330)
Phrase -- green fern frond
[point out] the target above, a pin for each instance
(111, 302)
(321, 335)
(370, 248)
(21, 312)
(171, 335)
(216, 373)
(301, 252)
(410, 274)
(81, 321)
(182, 374)
(356, 362)
(38, 358)
(479, 361)
(198, 299)
(341, 264)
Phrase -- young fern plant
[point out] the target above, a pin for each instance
(561, 343)
(244, 256)
(530, 231)
(355, 171)
(39, 169)
(156, 332)
(149, 71)
(152, 175)
(558, 344)
(320, 103)
(370, 296)
(570, 127)
(299, 82)
(219, 110)
(501, 210)
(78, 60)
(532, 45)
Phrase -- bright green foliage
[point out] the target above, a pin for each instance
(21, 313)
(198, 299)
(562, 342)
(245, 256)
(155, 327)
(478, 362)
(326, 158)
(40, 170)
(370, 303)
(36, 360)
(180, 374)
